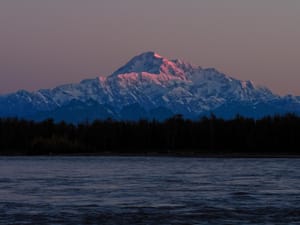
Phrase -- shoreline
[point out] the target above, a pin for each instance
(179, 155)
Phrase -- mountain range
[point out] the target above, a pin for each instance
(149, 86)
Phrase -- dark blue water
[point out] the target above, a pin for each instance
(149, 190)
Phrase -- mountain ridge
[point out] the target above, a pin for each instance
(148, 82)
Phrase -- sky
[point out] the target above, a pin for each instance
(44, 43)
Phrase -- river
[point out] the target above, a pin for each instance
(149, 190)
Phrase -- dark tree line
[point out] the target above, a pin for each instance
(276, 135)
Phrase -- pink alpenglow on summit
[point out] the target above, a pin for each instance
(46, 43)
(150, 86)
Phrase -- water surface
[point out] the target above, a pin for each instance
(149, 190)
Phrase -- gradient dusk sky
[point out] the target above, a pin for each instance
(44, 43)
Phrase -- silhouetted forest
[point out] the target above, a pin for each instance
(276, 135)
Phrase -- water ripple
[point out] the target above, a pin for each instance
(148, 190)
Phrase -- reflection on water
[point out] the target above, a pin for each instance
(148, 190)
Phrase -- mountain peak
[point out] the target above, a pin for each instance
(150, 54)
(146, 62)
(151, 81)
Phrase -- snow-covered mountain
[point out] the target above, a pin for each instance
(149, 86)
